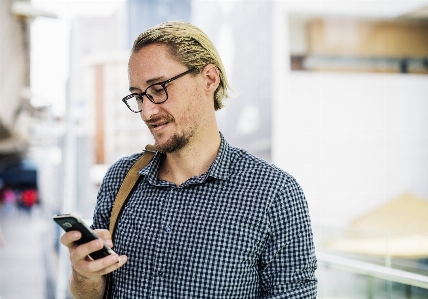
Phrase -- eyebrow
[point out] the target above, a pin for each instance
(149, 82)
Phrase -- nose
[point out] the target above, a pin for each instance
(148, 109)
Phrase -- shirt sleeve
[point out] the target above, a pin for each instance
(288, 262)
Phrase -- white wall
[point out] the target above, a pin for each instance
(14, 80)
(353, 141)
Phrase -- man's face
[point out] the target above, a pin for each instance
(174, 122)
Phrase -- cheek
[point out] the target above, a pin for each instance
(190, 111)
(196, 104)
(193, 104)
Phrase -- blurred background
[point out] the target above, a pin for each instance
(333, 92)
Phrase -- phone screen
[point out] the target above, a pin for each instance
(70, 222)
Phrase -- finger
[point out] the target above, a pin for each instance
(119, 262)
(109, 243)
(82, 251)
(105, 235)
(70, 237)
(100, 267)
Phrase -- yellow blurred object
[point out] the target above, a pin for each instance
(365, 38)
(405, 214)
(401, 246)
(397, 229)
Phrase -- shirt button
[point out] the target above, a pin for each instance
(160, 273)
(168, 229)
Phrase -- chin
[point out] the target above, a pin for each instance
(173, 144)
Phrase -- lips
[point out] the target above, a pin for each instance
(158, 124)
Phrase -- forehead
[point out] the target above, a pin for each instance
(152, 60)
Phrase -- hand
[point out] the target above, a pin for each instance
(82, 264)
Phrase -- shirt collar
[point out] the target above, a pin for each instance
(219, 169)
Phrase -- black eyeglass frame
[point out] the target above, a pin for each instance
(144, 93)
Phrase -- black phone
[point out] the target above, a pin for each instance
(70, 222)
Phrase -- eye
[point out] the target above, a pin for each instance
(156, 90)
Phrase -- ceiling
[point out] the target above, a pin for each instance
(388, 9)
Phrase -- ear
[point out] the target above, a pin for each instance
(211, 77)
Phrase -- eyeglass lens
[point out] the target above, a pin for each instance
(133, 104)
(155, 93)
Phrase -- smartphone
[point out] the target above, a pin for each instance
(70, 222)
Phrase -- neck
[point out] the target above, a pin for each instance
(192, 160)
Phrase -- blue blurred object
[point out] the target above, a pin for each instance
(21, 173)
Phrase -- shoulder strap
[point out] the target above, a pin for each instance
(128, 184)
(122, 195)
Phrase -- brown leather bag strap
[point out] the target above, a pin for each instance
(122, 195)
(128, 184)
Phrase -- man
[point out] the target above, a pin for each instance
(206, 220)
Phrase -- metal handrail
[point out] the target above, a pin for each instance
(373, 270)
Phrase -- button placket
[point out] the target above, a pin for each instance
(163, 238)
(168, 214)
(162, 243)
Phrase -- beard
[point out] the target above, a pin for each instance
(177, 141)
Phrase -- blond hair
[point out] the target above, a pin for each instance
(190, 46)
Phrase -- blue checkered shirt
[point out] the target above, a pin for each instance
(241, 230)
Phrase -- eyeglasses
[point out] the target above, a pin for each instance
(156, 93)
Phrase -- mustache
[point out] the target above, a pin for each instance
(159, 119)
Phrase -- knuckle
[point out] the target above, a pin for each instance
(65, 240)
(68, 238)
(91, 267)
(95, 245)
(74, 256)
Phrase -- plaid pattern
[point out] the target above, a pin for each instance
(241, 230)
